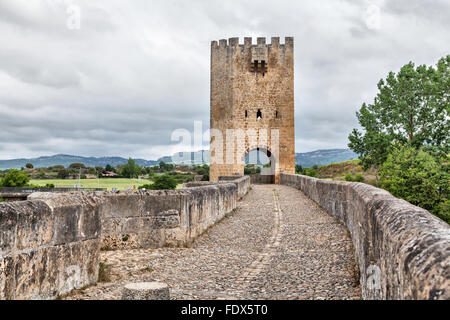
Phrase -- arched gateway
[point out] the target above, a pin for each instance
(252, 104)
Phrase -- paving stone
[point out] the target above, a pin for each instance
(278, 244)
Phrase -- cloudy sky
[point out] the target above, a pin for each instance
(123, 77)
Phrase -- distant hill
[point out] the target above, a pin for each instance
(66, 160)
(323, 157)
(307, 159)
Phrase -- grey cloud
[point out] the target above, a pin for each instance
(136, 71)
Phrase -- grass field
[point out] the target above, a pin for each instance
(119, 183)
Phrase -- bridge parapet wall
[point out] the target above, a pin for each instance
(50, 244)
(48, 247)
(242, 183)
(163, 218)
(403, 251)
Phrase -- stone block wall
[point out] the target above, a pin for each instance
(242, 183)
(254, 99)
(163, 218)
(49, 246)
(403, 251)
(262, 179)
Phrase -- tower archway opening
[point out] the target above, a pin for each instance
(260, 165)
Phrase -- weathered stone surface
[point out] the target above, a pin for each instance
(242, 183)
(50, 244)
(35, 226)
(76, 215)
(78, 265)
(261, 179)
(166, 219)
(146, 291)
(180, 215)
(239, 90)
(119, 205)
(296, 252)
(7, 278)
(8, 222)
(404, 247)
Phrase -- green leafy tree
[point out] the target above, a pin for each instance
(417, 177)
(348, 177)
(163, 182)
(250, 169)
(109, 168)
(15, 178)
(309, 172)
(56, 168)
(41, 174)
(63, 173)
(91, 170)
(131, 169)
(29, 166)
(411, 107)
(77, 165)
(298, 168)
(165, 166)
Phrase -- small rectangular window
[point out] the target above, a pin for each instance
(259, 114)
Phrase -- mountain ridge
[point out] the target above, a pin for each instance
(305, 159)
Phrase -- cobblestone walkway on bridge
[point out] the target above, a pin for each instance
(278, 244)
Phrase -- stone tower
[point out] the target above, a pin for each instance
(252, 104)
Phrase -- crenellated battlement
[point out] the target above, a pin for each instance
(248, 41)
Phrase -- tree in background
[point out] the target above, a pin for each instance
(251, 168)
(309, 172)
(165, 166)
(56, 168)
(417, 177)
(163, 182)
(29, 166)
(15, 178)
(63, 173)
(411, 108)
(77, 165)
(202, 170)
(41, 174)
(131, 169)
(109, 168)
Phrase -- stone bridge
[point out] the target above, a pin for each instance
(304, 238)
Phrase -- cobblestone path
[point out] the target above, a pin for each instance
(278, 244)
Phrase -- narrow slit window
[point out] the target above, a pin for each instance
(263, 67)
(276, 113)
(246, 113)
(259, 114)
(255, 67)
